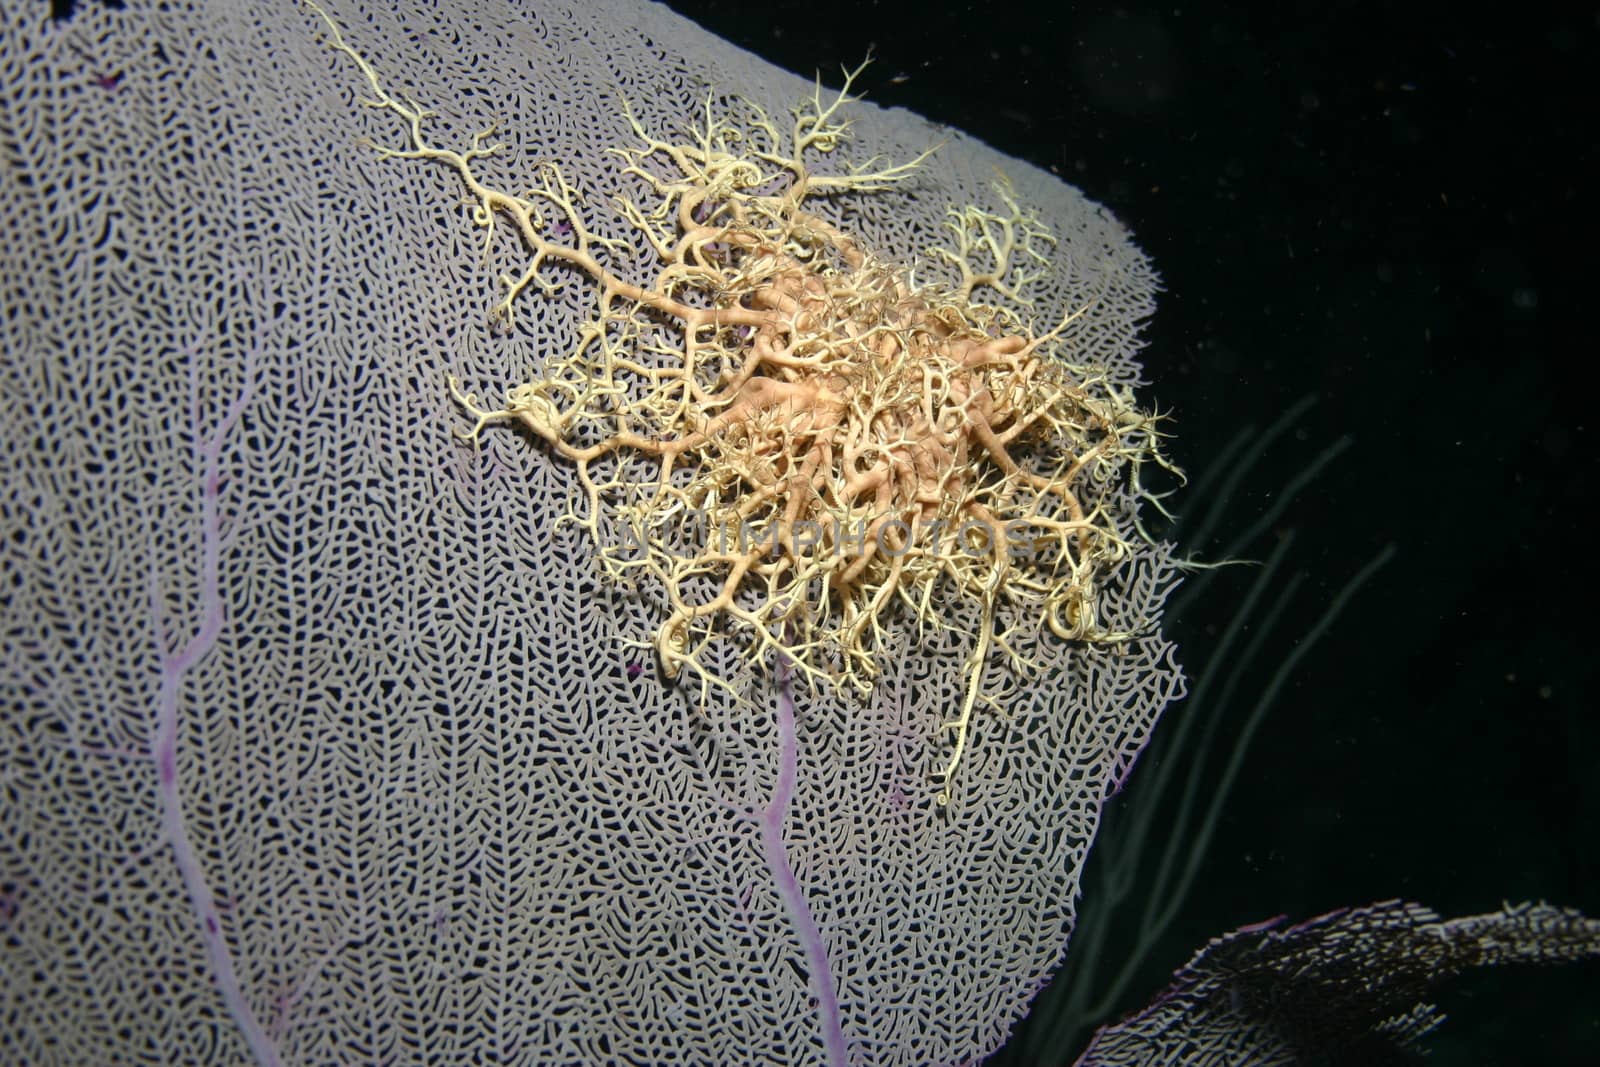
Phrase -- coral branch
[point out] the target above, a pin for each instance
(783, 877)
(176, 662)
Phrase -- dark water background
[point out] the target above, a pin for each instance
(1383, 207)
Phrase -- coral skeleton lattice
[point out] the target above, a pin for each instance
(323, 740)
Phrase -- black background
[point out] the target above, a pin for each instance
(1386, 207)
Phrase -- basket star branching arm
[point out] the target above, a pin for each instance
(904, 446)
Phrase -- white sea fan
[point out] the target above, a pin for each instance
(320, 742)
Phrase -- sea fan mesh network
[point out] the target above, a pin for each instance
(323, 741)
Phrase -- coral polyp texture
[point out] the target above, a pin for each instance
(832, 449)
(332, 738)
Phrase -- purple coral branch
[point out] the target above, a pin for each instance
(783, 876)
(175, 664)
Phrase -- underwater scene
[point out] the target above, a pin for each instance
(807, 533)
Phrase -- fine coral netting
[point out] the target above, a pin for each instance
(330, 737)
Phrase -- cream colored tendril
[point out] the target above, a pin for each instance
(868, 429)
